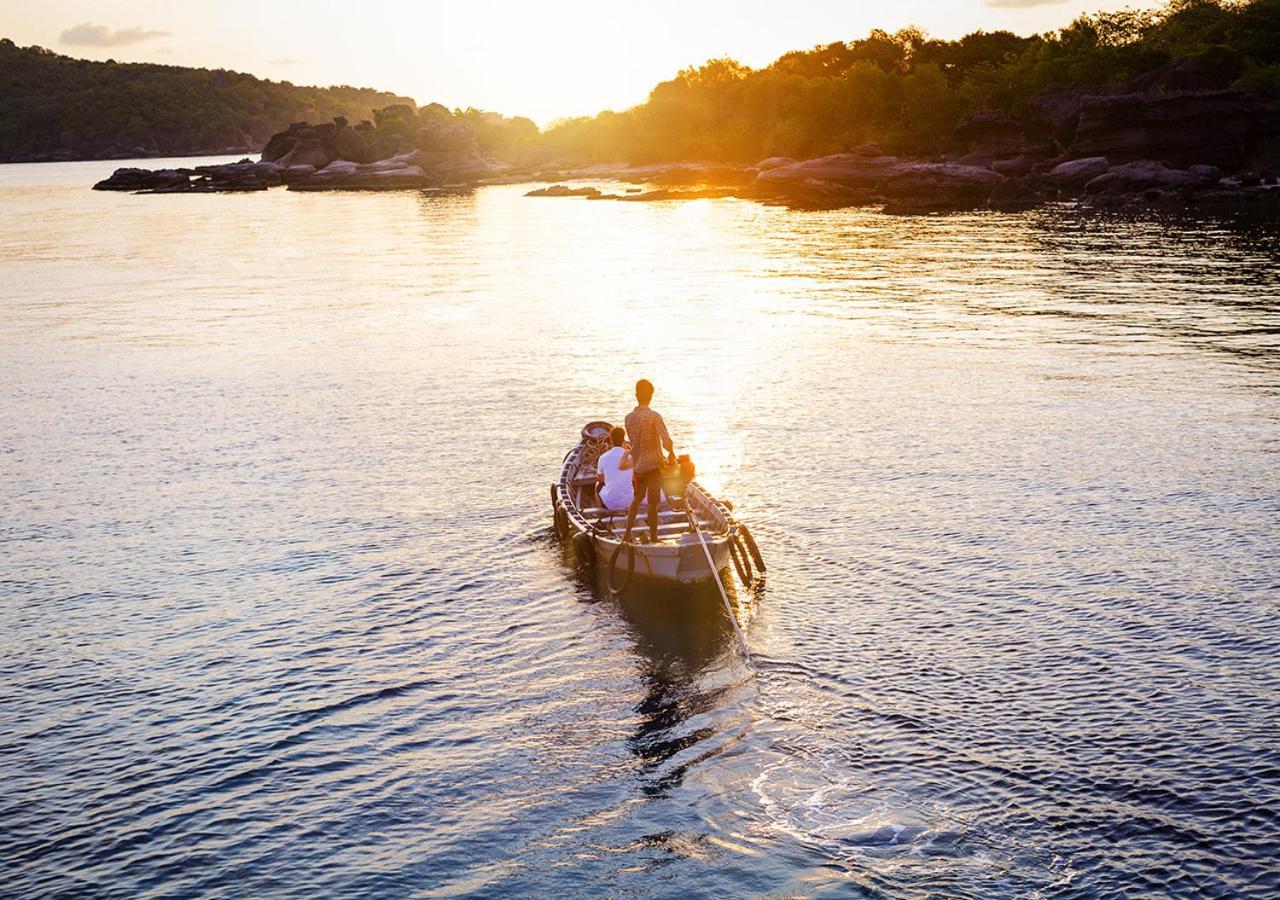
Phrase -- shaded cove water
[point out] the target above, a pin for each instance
(282, 613)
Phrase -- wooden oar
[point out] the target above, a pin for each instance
(715, 574)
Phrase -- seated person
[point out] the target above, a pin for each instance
(614, 467)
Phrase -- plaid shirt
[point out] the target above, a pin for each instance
(648, 435)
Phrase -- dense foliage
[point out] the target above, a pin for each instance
(52, 106)
(907, 92)
(904, 91)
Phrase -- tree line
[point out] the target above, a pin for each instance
(906, 91)
(53, 106)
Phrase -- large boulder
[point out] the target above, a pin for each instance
(450, 153)
(385, 146)
(925, 187)
(1208, 174)
(316, 145)
(1022, 164)
(243, 175)
(414, 169)
(852, 170)
(815, 194)
(1145, 175)
(454, 167)
(307, 151)
(1074, 174)
(133, 179)
(347, 143)
(279, 144)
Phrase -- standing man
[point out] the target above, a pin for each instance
(648, 435)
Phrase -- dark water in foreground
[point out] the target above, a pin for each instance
(281, 613)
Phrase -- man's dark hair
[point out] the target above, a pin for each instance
(618, 435)
(644, 390)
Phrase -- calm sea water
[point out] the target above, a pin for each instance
(282, 614)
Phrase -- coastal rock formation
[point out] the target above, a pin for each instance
(1015, 195)
(926, 187)
(1184, 127)
(414, 169)
(398, 173)
(307, 151)
(852, 179)
(1144, 175)
(1183, 112)
(992, 135)
(1015, 166)
(850, 170)
(245, 175)
(563, 190)
(316, 145)
(1076, 173)
(813, 194)
(449, 154)
(131, 179)
(403, 150)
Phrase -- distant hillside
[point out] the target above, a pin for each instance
(53, 107)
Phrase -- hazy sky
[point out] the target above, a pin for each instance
(543, 60)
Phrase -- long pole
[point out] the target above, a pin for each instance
(715, 574)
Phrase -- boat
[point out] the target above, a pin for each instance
(698, 534)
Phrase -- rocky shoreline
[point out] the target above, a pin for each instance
(1175, 136)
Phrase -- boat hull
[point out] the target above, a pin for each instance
(682, 563)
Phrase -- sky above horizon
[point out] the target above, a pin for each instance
(544, 61)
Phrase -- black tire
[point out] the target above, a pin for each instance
(562, 523)
(740, 562)
(584, 550)
(750, 543)
(554, 501)
(617, 590)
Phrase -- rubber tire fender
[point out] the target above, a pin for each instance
(613, 567)
(562, 523)
(740, 562)
(750, 543)
(584, 550)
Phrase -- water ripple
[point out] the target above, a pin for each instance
(281, 610)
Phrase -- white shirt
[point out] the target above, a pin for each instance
(617, 491)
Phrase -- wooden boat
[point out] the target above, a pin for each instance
(596, 533)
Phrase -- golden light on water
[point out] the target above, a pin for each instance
(278, 538)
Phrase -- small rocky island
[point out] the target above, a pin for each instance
(1177, 135)
(400, 149)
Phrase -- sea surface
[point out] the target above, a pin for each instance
(282, 613)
